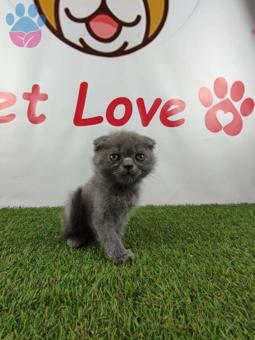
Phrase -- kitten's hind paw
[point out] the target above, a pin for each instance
(75, 242)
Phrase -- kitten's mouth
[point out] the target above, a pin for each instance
(129, 177)
(125, 177)
(130, 173)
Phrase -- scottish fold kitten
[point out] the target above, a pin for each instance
(99, 210)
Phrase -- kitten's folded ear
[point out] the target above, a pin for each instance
(149, 142)
(99, 143)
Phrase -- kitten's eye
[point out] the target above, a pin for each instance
(140, 157)
(114, 157)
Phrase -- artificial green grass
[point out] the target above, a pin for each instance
(193, 277)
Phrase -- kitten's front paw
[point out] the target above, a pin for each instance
(127, 256)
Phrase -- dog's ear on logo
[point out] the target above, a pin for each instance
(158, 10)
(48, 10)
(99, 143)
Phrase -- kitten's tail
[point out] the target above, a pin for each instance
(74, 216)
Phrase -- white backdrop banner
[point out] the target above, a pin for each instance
(179, 71)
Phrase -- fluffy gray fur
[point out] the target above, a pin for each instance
(99, 210)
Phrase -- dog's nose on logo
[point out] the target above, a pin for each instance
(105, 28)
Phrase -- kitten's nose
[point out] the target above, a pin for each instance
(128, 166)
(128, 163)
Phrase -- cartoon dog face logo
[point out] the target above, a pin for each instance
(105, 27)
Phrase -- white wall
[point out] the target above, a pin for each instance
(201, 41)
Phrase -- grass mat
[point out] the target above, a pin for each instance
(193, 277)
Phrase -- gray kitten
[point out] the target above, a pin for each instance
(99, 210)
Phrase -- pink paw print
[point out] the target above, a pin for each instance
(234, 111)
